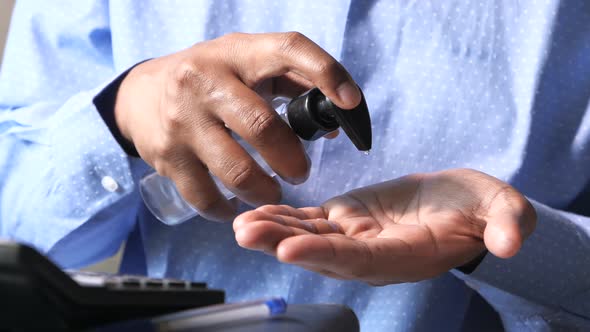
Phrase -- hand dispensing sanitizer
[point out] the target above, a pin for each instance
(311, 116)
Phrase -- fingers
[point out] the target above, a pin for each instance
(333, 255)
(311, 219)
(193, 94)
(301, 213)
(196, 186)
(505, 215)
(236, 169)
(320, 270)
(290, 85)
(261, 230)
(511, 218)
(265, 235)
(341, 255)
(280, 53)
(318, 248)
(332, 135)
(249, 116)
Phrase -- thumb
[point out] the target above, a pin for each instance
(511, 219)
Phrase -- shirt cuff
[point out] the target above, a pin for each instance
(105, 102)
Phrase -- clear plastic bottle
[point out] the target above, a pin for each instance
(165, 202)
(311, 116)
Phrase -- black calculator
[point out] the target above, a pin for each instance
(35, 294)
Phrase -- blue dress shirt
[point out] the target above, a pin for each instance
(499, 86)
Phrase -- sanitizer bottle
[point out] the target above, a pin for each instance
(311, 115)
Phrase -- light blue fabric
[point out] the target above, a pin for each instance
(499, 86)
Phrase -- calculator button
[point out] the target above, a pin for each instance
(174, 284)
(154, 284)
(131, 282)
(197, 285)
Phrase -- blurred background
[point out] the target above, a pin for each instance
(5, 11)
(6, 6)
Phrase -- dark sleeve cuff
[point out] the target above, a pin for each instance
(473, 264)
(105, 104)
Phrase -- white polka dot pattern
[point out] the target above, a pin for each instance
(498, 86)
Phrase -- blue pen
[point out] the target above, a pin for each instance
(220, 314)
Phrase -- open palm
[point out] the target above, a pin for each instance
(407, 229)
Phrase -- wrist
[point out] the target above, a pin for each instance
(121, 105)
(106, 103)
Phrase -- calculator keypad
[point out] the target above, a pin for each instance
(123, 282)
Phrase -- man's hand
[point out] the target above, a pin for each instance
(178, 110)
(408, 229)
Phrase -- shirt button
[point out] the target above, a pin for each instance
(109, 184)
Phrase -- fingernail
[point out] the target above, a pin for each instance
(300, 180)
(308, 163)
(295, 181)
(349, 94)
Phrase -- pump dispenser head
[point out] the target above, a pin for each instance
(313, 115)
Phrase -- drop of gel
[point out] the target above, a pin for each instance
(367, 152)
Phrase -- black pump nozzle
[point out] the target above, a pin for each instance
(313, 115)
